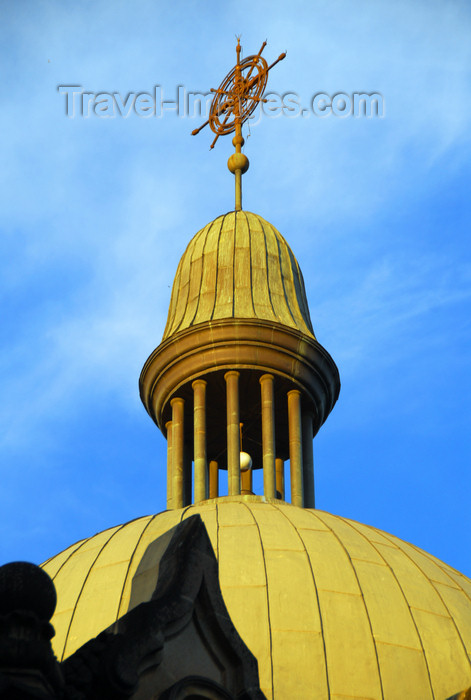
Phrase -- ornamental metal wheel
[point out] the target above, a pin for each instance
(238, 95)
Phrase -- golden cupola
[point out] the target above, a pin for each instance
(239, 370)
(239, 381)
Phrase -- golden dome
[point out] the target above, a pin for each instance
(238, 266)
(331, 608)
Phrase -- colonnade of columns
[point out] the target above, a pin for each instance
(300, 430)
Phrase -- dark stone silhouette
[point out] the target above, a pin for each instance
(179, 644)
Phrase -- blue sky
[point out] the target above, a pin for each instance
(95, 214)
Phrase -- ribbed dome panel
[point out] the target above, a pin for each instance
(330, 608)
(238, 266)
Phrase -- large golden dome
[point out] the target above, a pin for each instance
(331, 608)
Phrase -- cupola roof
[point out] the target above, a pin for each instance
(238, 267)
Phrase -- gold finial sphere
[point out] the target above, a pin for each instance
(238, 161)
(238, 140)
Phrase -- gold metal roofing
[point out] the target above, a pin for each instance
(331, 608)
(238, 266)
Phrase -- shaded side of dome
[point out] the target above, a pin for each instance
(356, 612)
(238, 266)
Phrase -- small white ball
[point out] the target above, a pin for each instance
(245, 461)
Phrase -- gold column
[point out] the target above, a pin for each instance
(187, 480)
(233, 437)
(246, 481)
(178, 451)
(168, 428)
(308, 460)
(268, 435)
(213, 479)
(280, 478)
(199, 439)
(295, 447)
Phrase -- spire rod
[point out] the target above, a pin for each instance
(234, 101)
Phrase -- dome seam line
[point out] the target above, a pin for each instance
(250, 264)
(439, 565)
(216, 281)
(66, 639)
(77, 546)
(191, 250)
(184, 512)
(432, 583)
(267, 262)
(205, 270)
(234, 247)
(315, 590)
(144, 529)
(268, 599)
(364, 601)
(406, 601)
(298, 286)
(188, 314)
(283, 282)
(217, 536)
